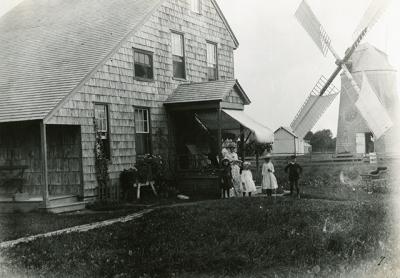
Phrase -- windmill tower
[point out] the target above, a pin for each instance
(368, 93)
(353, 134)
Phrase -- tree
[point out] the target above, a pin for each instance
(308, 136)
(322, 141)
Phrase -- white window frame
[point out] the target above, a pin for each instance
(150, 64)
(145, 122)
(178, 50)
(101, 116)
(195, 6)
(214, 63)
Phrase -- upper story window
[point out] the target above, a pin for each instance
(142, 127)
(178, 55)
(143, 61)
(195, 5)
(212, 66)
(101, 120)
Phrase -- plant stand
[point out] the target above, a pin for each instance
(147, 183)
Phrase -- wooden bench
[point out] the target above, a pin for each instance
(12, 177)
(138, 185)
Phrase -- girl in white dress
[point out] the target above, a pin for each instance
(269, 182)
(248, 185)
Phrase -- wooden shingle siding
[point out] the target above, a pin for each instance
(114, 83)
(48, 47)
(233, 97)
(20, 145)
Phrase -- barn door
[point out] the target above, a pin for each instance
(360, 143)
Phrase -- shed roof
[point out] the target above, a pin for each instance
(48, 48)
(287, 129)
(206, 91)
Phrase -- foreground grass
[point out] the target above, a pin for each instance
(16, 225)
(233, 237)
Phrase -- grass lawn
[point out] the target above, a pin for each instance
(16, 225)
(245, 237)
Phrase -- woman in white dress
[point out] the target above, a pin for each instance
(237, 180)
(269, 181)
(247, 185)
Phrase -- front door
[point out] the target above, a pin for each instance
(360, 143)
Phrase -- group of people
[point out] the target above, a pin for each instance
(237, 176)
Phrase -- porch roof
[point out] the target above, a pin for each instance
(207, 91)
(232, 120)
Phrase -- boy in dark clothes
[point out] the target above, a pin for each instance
(226, 180)
(294, 170)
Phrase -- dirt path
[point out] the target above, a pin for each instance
(91, 226)
(80, 228)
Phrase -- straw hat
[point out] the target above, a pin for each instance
(225, 159)
(246, 163)
(231, 145)
(268, 155)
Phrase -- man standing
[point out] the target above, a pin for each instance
(294, 170)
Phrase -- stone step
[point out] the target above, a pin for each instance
(62, 200)
(75, 206)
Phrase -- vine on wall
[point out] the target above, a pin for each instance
(101, 165)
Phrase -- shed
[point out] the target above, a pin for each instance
(286, 142)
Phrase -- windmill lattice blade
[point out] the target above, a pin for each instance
(313, 108)
(372, 110)
(313, 27)
(374, 11)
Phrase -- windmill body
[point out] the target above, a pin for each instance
(353, 134)
(368, 102)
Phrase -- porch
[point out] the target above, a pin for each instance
(40, 166)
(201, 117)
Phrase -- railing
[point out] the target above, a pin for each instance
(198, 162)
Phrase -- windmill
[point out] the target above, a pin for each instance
(362, 96)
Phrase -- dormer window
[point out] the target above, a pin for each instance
(195, 6)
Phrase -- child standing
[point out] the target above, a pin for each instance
(294, 170)
(248, 185)
(237, 180)
(226, 178)
(269, 182)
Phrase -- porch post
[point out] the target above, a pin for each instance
(45, 180)
(243, 152)
(219, 143)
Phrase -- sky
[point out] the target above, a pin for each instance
(278, 64)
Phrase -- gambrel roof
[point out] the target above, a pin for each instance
(48, 49)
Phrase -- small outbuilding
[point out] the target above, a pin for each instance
(286, 142)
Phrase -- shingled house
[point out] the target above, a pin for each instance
(139, 69)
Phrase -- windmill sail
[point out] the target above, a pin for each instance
(313, 108)
(372, 110)
(313, 27)
(374, 11)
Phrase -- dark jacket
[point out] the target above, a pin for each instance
(294, 171)
(226, 177)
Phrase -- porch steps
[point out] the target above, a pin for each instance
(66, 207)
(67, 203)
(62, 200)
